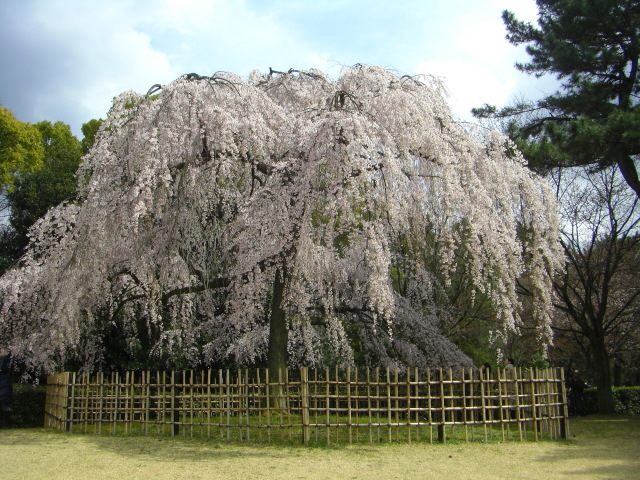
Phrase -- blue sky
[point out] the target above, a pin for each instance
(65, 60)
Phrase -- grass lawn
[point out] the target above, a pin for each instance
(599, 447)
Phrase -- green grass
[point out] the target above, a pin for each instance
(286, 430)
(599, 447)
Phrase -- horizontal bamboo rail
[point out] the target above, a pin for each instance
(321, 406)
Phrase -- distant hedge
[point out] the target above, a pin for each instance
(626, 400)
(28, 405)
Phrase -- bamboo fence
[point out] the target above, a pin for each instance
(321, 406)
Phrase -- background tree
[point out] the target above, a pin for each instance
(89, 132)
(54, 182)
(286, 219)
(599, 292)
(593, 48)
(20, 149)
(34, 192)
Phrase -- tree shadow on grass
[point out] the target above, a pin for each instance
(184, 449)
(157, 448)
(610, 440)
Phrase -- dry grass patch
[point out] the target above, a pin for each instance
(600, 447)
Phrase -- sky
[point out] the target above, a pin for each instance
(65, 60)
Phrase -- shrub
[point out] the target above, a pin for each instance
(626, 400)
(28, 405)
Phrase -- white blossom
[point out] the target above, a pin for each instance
(194, 199)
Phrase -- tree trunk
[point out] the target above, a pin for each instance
(602, 376)
(629, 171)
(278, 340)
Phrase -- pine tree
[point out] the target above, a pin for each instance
(593, 48)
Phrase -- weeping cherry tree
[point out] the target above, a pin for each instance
(283, 219)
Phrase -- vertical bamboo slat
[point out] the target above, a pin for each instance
(346, 403)
(304, 380)
(408, 400)
(349, 422)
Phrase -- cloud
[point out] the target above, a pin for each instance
(75, 61)
(66, 60)
(477, 65)
(469, 85)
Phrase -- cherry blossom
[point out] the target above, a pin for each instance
(342, 203)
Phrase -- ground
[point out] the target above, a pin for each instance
(600, 447)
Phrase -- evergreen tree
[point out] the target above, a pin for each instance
(593, 48)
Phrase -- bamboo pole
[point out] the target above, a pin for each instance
(408, 390)
(483, 399)
(288, 401)
(71, 409)
(209, 400)
(191, 402)
(378, 408)
(389, 417)
(396, 395)
(564, 421)
(267, 404)
(357, 404)
(441, 427)
(500, 403)
(517, 388)
(240, 401)
(532, 378)
(164, 401)
(337, 403)
(464, 405)
(174, 415)
(116, 392)
(85, 409)
(315, 403)
(247, 404)
(417, 403)
(348, 383)
(369, 413)
(304, 380)
(327, 376)
(430, 416)
(100, 402)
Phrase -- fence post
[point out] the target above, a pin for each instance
(70, 401)
(175, 427)
(564, 420)
(304, 383)
(442, 436)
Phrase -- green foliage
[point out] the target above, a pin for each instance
(593, 48)
(55, 182)
(626, 400)
(31, 192)
(20, 149)
(90, 130)
(10, 247)
(131, 103)
(28, 405)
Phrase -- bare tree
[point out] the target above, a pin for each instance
(599, 292)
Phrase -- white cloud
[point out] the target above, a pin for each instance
(477, 65)
(77, 55)
(469, 84)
